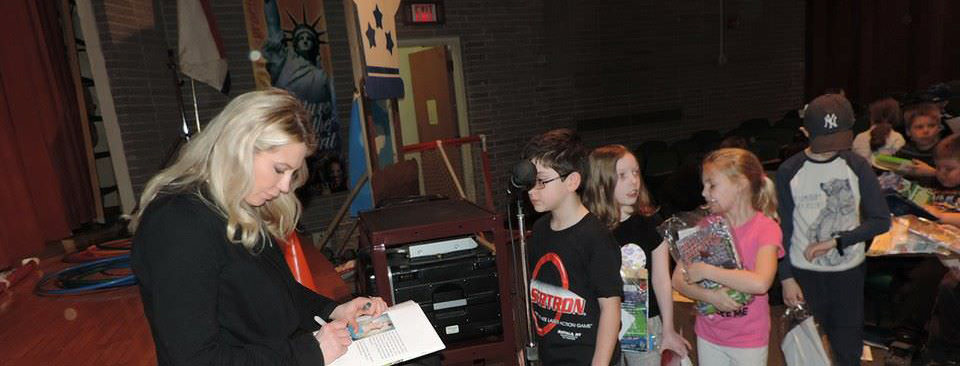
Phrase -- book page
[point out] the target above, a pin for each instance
(401, 333)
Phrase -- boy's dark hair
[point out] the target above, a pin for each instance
(560, 150)
(948, 148)
(922, 109)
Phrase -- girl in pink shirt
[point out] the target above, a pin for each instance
(734, 185)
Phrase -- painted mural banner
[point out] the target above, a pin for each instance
(289, 50)
(378, 26)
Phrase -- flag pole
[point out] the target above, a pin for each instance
(196, 110)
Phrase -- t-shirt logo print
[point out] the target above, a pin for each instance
(551, 297)
(838, 214)
(830, 121)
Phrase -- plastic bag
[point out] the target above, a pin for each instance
(669, 358)
(699, 236)
(802, 345)
(635, 334)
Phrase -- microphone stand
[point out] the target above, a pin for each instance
(530, 348)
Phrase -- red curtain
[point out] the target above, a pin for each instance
(46, 188)
(872, 48)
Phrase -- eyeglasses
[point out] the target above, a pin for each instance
(540, 183)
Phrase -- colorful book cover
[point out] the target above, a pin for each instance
(636, 301)
(699, 236)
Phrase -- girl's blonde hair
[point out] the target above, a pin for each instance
(602, 181)
(736, 163)
(217, 165)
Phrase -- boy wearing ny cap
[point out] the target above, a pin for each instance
(831, 206)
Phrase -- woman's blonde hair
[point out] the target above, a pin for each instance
(217, 165)
(602, 181)
(737, 163)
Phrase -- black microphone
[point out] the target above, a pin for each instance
(522, 177)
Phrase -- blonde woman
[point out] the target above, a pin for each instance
(213, 281)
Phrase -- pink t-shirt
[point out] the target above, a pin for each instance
(748, 327)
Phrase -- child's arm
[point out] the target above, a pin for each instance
(661, 286)
(951, 218)
(792, 294)
(917, 168)
(718, 297)
(756, 282)
(874, 213)
(607, 330)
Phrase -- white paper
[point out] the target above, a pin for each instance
(401, 333)
(626, 320)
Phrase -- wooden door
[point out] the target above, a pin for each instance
(436, 117)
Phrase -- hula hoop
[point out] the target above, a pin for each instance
(70, 274)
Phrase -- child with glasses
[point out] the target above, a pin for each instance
(575, 286)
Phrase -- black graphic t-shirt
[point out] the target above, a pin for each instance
(570, 270)
(642, 231)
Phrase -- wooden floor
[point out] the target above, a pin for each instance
(110, 328)
(99, 329)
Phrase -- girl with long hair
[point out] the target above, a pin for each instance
(616, 194)
(881, 138)
(734, 186)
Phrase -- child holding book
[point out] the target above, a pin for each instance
(575, 284)
(616, 194)
(831, 206)
(734, 186)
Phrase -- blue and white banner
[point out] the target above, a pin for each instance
(378, 29)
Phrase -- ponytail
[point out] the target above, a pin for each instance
(740, 162)
(879, 134)
(884, 116)
(766, 199)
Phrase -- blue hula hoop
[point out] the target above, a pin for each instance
(122, 261)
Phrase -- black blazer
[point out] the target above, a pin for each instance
(212, 302)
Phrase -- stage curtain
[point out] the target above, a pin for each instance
(45, 190)
(872, 48)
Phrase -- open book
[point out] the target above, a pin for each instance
(399, 334)
(909, 234)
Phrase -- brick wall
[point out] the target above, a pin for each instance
(529, 66)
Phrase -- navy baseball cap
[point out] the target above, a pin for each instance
(829, 120)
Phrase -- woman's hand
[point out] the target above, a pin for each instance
(353, 309)
(722, 300)
(334, 339)
(674, 341)
(697, 271)
(792, 294)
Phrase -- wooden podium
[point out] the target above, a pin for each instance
(421, 222)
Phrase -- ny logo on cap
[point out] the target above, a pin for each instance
(830, 121)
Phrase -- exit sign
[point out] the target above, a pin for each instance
(423, 12)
